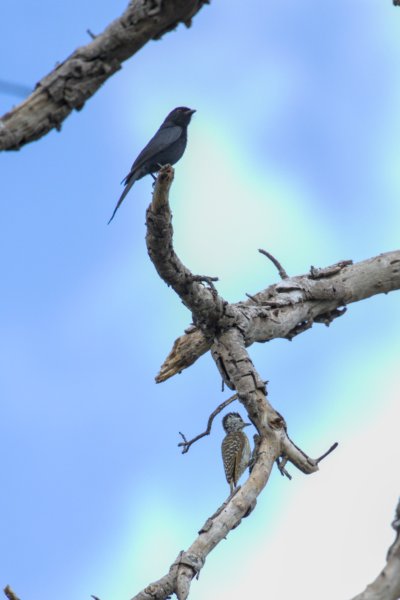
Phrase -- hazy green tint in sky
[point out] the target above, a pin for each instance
(293, 148)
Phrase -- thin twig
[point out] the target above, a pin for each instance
(281, 463)
(281, 466)
(252, 298)
(186, 444)
(205, 279)
(275, 261)
(331, 449)
(76, 79)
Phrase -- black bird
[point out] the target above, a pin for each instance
(166, 147)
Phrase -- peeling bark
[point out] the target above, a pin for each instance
(227, 328)
(293, 305)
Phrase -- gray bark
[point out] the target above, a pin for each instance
(282, 310)
(76, 79)
(288, 308)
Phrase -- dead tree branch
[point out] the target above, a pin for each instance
(227, 327)
(293, 305)
(186, 444)
(325, 454)
(387, 585)
(77, 78)
(276, 263)
(216, 528)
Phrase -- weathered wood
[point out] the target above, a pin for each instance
(77, 78)
(227, 327)
(293, 305)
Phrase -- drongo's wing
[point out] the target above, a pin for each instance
(164, 138)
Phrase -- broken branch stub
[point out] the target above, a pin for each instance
(292, 306)
(227, 329)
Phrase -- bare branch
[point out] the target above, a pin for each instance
(77, 78)
(292, 306)
(185, 351)
(186, 444)
(228, 327)
(281, 463)
(162, 588)
(216, 528)
(275, 261)
(206, 303)
(387, 585)
(227, 517)
(252, 298)
(331, 449)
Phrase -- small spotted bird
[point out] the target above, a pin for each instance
(235, 448)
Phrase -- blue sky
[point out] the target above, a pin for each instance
(294, 148)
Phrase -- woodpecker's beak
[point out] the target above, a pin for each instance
(190, 111)
(246, 424)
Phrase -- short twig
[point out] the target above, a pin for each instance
(275, 261)
(186, 444)
(205, 279)
(9, 593)
(281, 466)
(331, 449)
(93, 36)
(252, 298)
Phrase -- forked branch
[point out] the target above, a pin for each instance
(187, 443)
(227, 328)
(292, 306)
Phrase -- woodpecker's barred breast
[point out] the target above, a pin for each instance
(236, 455)
(235, 448)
